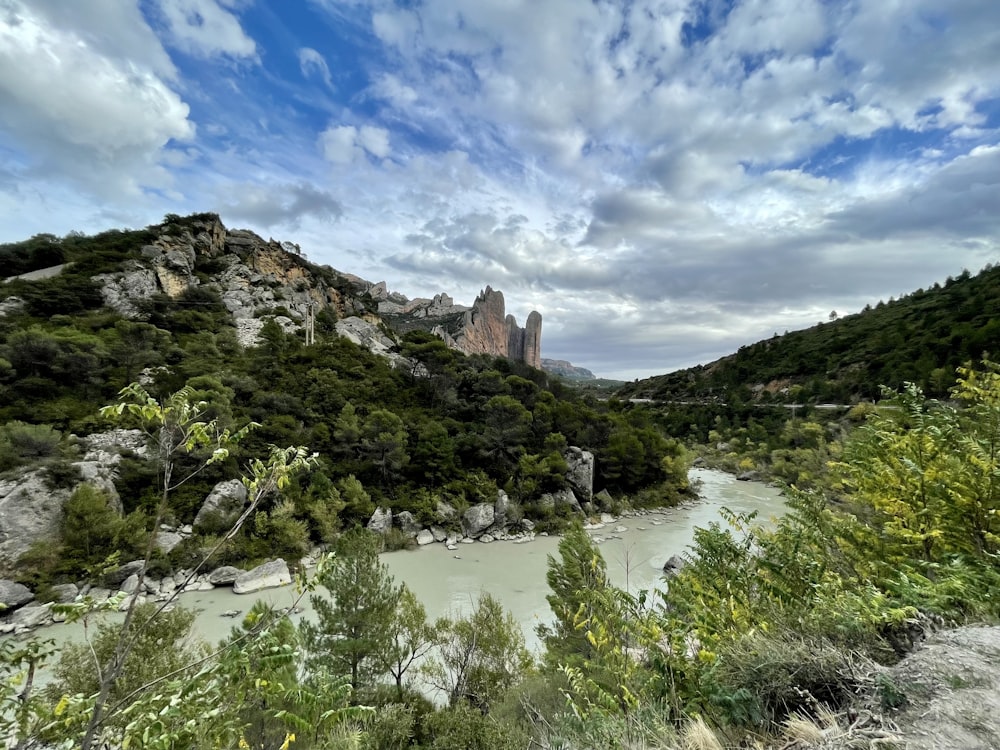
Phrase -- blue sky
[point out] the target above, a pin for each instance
(664, 180)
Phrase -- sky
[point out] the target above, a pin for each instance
(663, 180)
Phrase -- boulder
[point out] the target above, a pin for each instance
(748, 476)
(14, 595)
(381, 521)
(117, 577)
(267, 576)
(30, 511)
(167, 540)
(477, 519)
(407, 523)
(673, 566)
(64, 593)
(224, 503)
(500, 510)
(425, 537)
(130, 584)
(224, 576)
(580, 472)
(439, 534)
(31, 617)
(603, 500)
(487, 538)
(561, 497)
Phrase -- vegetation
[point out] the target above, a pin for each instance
(919, 338)
(893, 523)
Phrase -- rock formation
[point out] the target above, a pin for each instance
(567, 370)
(487, 329)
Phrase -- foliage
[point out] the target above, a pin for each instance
(480, 656)
(353, 634)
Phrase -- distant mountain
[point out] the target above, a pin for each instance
(919, 338)
(567, 370)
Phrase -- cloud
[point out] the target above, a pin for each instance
(206, 28)
(71, 104)
(345, 144)
(285, 205)
(312, 63)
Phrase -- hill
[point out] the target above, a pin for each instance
(919, 338)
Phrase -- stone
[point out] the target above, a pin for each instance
(487, 538)
(603, 500)
(560, 497)
(439, 534)
(14, 595)
(487, 329)
(168, 585)
(223, 505)
(425, 537)
(117, 577)
(225, 575)
(31, 617)
(580, 472)
(381, 521)
(527, 524)
(748, 476)
(477, 519)
(267, 576)
(407, 523)
(64, 593)
(30, 511)
(500, 509)
(130, 584)
(231, 613)
(673, 566)
(167, 540)
(99, 594)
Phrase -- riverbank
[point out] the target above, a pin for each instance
(447, 581)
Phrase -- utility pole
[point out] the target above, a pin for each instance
(311, 324)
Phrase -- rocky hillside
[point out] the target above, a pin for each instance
(567, 370)
(260, 280)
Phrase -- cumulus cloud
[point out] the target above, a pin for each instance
(345, 144)
(312, 63)
(70, 103)
(206, 28)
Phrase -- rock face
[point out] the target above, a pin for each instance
(267, 576)
(29, 511)
(952, 689)
(567, 370)
(224, 503)
(487, 329)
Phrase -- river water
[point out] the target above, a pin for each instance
(448, 582)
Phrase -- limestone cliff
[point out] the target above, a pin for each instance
(259, 279)
(487, 329)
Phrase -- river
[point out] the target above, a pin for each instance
(448, 582)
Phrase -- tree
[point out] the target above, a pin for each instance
(412, 636)
(575, 580)
(481, 657)
(352, 635)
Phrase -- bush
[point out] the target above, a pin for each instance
(21, 443)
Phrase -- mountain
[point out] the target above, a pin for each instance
(567, 370)
(921, 338)
(259, 280)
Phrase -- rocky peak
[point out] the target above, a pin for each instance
(486, 329)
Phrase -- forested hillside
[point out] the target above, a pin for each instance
(445, 428)
(919, 338)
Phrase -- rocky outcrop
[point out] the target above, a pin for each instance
(366, 334)
(30, 511)
(567, 370)
(580, 473)
(267, 576)
(487, 329)
(223, 505)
